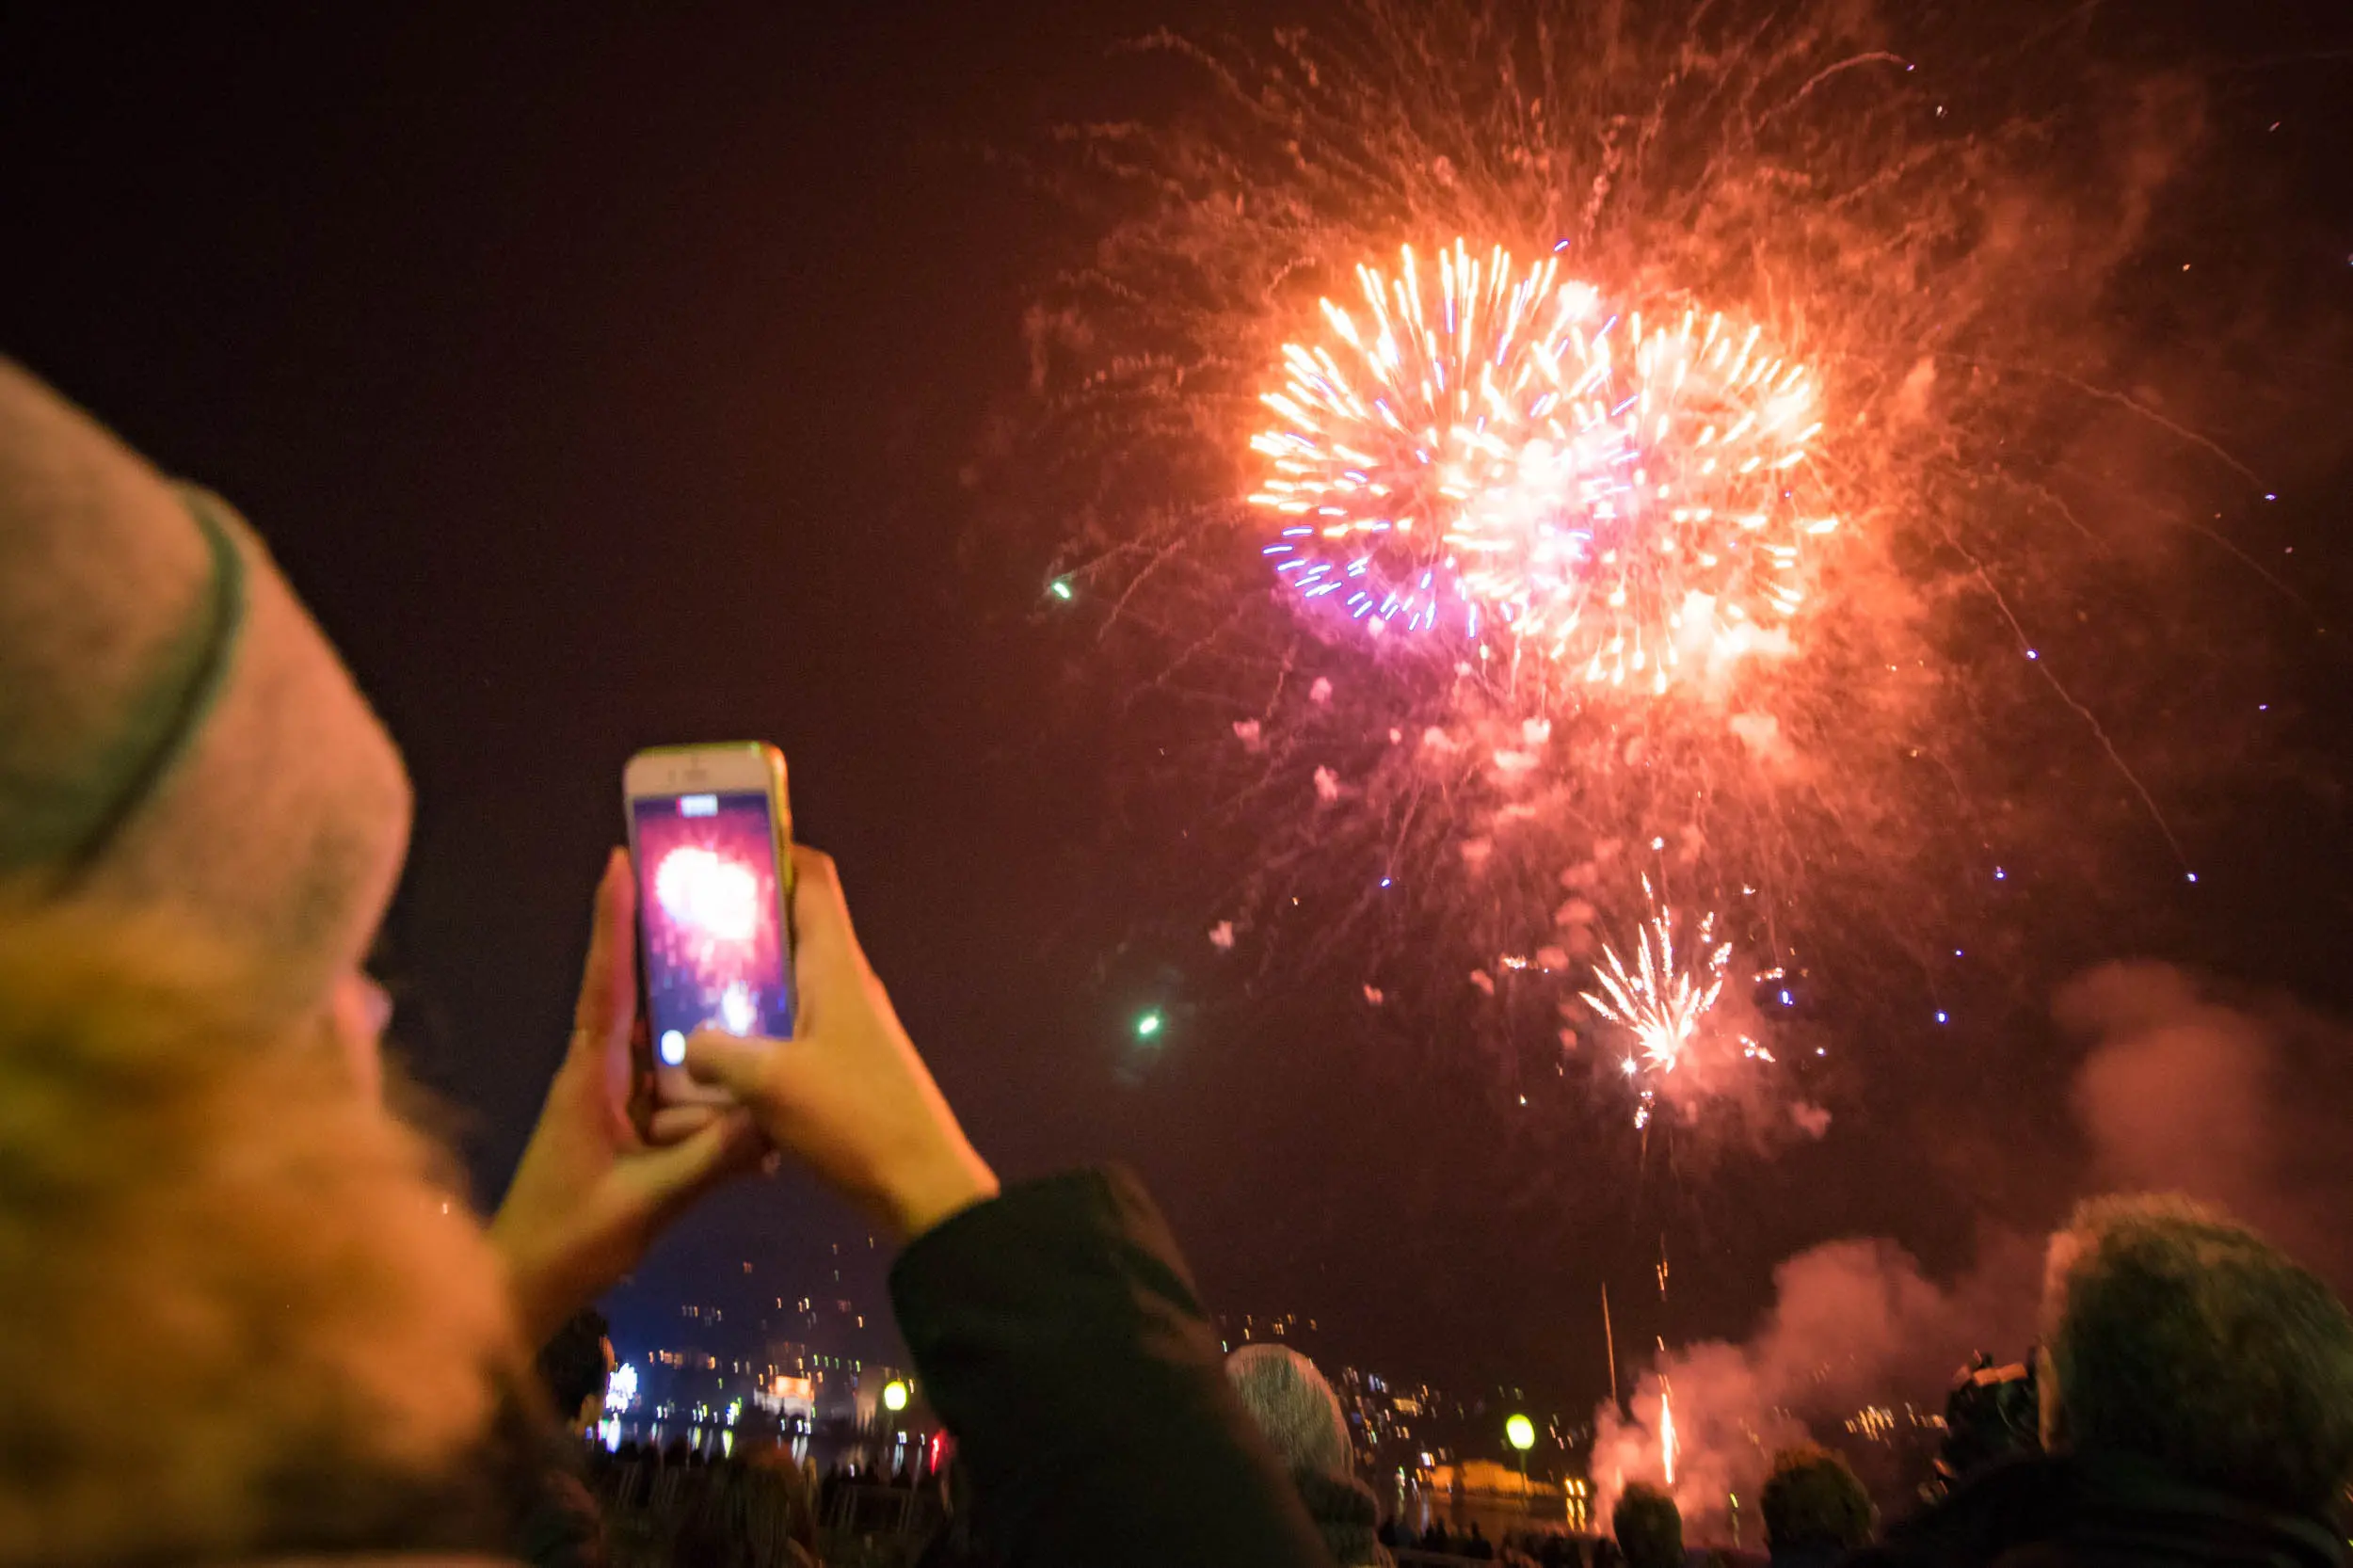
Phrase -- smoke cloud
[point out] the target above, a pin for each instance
(1855, 1323)
(2238, 1105)
(2179, 1089)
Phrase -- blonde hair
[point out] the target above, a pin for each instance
(2174, 1334)
(237, 1311)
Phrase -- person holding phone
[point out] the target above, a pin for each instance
(180, 743)
(1055, 1325)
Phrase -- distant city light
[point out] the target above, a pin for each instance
(895, 1396)
(1148, 1025)
(1520, 1432)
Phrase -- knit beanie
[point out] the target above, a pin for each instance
(175, 732)
(1293, 1406)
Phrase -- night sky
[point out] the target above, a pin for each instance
(604, 379)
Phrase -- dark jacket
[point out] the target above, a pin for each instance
(1060, 1338)
(2106, 1513)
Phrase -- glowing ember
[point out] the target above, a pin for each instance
(1660, 1004)
(1503, 452)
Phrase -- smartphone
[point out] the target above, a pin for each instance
(710, 834)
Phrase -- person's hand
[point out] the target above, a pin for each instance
(847, 1095)
(593, 1190)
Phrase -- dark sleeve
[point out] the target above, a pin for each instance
(1060, 1337)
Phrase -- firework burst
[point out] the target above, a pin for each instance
(1660, 1005)
(1740, 482)
(1502, 451)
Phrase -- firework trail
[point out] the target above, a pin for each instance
(1667, 1434)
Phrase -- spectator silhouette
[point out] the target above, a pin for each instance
(576, 1365)
(2196, 1406)
(562, 1526)
(1648, 1528)
(748, 1516)
(1816, 1511)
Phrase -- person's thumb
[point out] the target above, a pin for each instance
(729, 1062)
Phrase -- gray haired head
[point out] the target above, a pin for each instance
(1293, 1406)
(2176, 1336)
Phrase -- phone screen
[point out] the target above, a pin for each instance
(711, 920)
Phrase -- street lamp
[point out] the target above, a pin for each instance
(1520, 1432)
(895, 1396)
